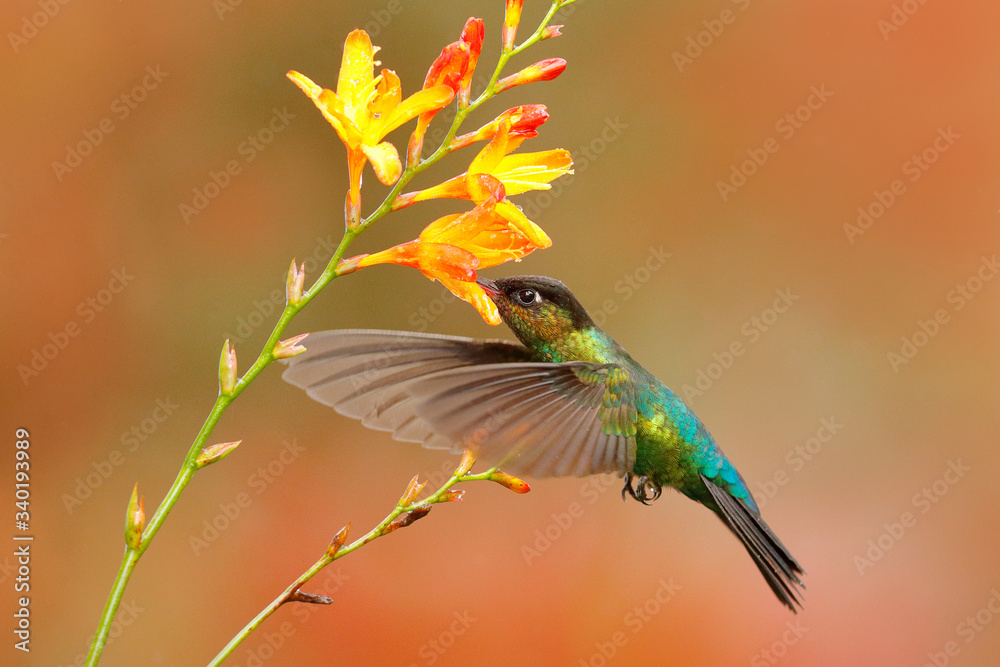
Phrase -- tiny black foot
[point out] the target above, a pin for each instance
(628, 486)
(645, 490)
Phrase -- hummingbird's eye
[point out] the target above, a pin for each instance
(527, 297)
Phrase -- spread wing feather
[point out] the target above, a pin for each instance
(532, 418)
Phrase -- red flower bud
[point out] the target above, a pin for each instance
(513, 483)
(524, 120)
(472, 34)
(543, 70)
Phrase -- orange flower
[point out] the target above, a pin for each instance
(524, 122)
(453, 68)
(366, 108)
(518, 173)
(451, 248)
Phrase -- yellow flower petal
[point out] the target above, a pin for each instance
(385, 161)
(489, 157)
(419, 102)
(331, 106)
(522, 172)
(433, 231)
(333, 110)
(520, 222)
(475, 295)
(356, 69)
(308, 86)
(387, 98)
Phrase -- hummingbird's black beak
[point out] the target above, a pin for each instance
(488, 285)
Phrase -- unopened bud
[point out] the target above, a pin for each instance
(452, 495)
(524, 120)
(551, 31)
(135, 520)
(349, 265)
(339, 540)
(227, 370)
(543, 70)
(295, 283)
(465, 465)
(406, 518)
(309, 598)
(472, 35)
(215, 453)
(413, 490)
(289, 347)
(513, 483)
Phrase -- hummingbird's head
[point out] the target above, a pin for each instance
(536, 308)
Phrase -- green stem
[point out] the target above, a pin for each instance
(317, 567)
(189, 467)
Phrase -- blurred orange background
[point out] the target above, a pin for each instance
(741, 137)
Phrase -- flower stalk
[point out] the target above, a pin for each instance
(406, 512)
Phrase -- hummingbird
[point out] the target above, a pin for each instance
(567, 400)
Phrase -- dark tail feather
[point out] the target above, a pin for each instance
(772, 558)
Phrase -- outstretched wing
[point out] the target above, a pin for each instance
(532, 418)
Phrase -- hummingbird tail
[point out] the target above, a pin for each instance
(780, 570)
